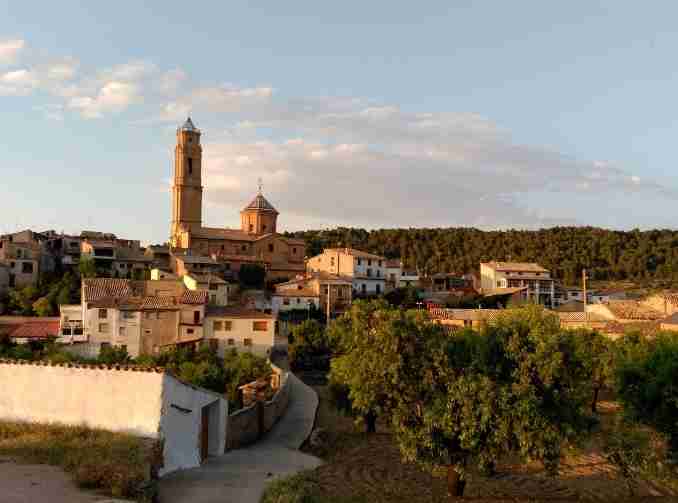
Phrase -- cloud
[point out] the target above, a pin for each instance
(112, 97)
(10, 49)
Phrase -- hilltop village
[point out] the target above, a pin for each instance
(195, 343)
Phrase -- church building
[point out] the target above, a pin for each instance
(256, 242)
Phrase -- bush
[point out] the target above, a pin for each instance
(252, 276)
(629, 449)
(306, 341)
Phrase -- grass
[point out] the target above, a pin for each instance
(116, 464)
(302, 488)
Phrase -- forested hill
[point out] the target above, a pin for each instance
(609, 255)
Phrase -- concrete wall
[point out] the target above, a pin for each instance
(146, 403)
(245, 425)
(114, 400)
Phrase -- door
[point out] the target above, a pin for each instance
(205, 434)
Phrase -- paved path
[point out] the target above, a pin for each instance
(241, 475)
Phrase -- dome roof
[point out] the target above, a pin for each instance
(259, 203)
(189, 126)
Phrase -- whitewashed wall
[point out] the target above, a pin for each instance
(181, 424)
(116, 400)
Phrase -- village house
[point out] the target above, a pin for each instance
(257, 240)
(143, 317)
(409, 279)
(70, 324)
(394, 271)
(537, 281)
(239, 328)
(331, 293)
(367, 271)
(159, 255)
(4, 278)
(216, 287)
(21, 260)
(26, 329)
(183, 264)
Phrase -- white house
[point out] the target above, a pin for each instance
(241, 329)
(538, 285)
(289, 300)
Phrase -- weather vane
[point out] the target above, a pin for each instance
(260, 183)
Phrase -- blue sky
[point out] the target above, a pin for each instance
(375, 114)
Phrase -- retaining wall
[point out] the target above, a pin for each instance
(248, 425)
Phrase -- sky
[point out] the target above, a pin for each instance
(373, 114)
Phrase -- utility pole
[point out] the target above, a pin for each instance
(328, 303)
(584, 277)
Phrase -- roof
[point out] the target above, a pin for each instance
(669, 297)
(226, 234)
(632, 310)
(101, 288)
(304, 292)
(207, 278)
(195, 259)
(492, 292)
(671, 320)
(39, 329)
(236, 312)
(196, 297)
(580, 316)
(260, 203)
(189, 126)
(355, 253)
(515, 266)
(465, 314)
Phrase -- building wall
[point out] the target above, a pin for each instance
(372, 286)
(99, 398)
(181, 423)
(241, 329)
(659, 303)
(158, 329)
(278, 303)
(488, 277)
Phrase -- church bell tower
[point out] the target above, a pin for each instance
(187, 186)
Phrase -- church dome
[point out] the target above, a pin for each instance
(259, 203)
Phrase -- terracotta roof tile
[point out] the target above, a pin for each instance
(36, 330)
(194, 297)
(516, 266)
(632, 310)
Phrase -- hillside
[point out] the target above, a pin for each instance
(643, 257)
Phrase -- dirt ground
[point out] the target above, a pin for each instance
(369, 468)
(20, 483)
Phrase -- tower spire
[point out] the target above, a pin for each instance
(260, 185)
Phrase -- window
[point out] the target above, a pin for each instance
(369, 273)
(148, 315)
(228, 325)
(270, 247)
(148, 331)
(263, 228)
(286, 301)
(360, 262)
(129, 315)
(259, 326)
(214, 286)
(244, 247)
(247, 342)
(105, 345)
(378, 288)
(369, 262)
(124, 347)
(380, 263)
(294, 251)
(189, 331)
(468, 323)
(196, 317)
(298, 300)
(231, 342)
(190, 166)
(103, 314)
(251, 228)
(103, 328)
(27, 268)
(332, 261)
(122, 332)
(217, 326)
(364, 288)
(213, 299)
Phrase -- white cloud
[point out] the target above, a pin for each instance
(112, 97)
(10, 49)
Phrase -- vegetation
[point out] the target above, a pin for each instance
(640, 256)
(87, 267)
(307, 340)
(45, 298)
(596, 352)
(252, 276)
(647, 383)
(628, 448)
(115, 463)
(517, 386)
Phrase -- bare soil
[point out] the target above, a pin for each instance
(362, 467)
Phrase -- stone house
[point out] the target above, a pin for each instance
(216, 287)
(242, 329)
(321, 289)
(537, 281)
(366, 270)
(21, 260)
(144, 317)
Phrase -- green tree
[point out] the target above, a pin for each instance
(21, 300)
(597, 354)
(43, 307)
(629, 449)
(252, 275)
(306, 340)
(647, 384)
(87, 267)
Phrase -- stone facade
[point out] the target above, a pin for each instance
(257, 241)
